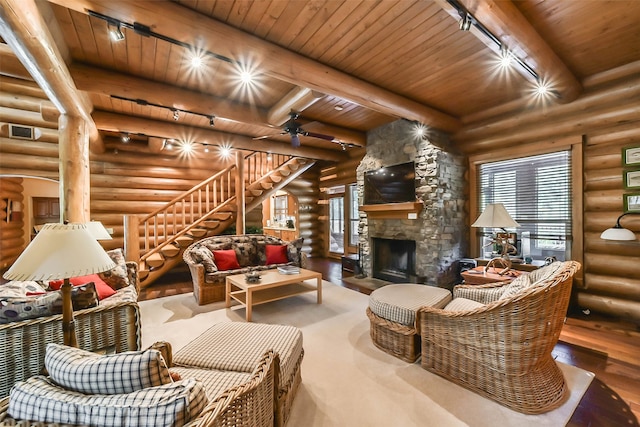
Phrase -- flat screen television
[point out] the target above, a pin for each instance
(390, 184)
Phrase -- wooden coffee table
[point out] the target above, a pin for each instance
(272, 287)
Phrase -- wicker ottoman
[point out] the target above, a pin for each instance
(392, 312)
(237, 346)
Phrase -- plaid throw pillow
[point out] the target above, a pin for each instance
(175, 404)
(91, 373)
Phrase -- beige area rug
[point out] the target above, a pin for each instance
(346, 380)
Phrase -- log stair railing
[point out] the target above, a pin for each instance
(157, 240)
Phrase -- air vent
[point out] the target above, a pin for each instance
(23, 132)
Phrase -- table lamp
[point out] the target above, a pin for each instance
(617, 232)
(61, 251)
(496, 216)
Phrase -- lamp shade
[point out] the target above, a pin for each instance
(98, 231)
(60, 251)
(495, 216)
(618, 233)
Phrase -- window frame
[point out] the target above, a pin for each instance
(573, 143)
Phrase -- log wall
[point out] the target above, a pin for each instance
(605, 119)
(12, 241)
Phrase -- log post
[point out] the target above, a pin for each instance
(240, 212)
(131, 238)
(74, 169)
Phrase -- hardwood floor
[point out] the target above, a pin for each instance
(610, 349)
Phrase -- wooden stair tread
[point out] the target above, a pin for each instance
(170, 251)
(198, 232)
(155, 260)
(184, 241)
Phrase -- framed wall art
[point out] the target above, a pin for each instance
(631, 202)
(631, 156)
(631, 179)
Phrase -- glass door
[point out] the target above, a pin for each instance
(336, 225)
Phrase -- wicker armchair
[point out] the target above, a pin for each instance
(111, 327)
(250, 404)
(502, 348)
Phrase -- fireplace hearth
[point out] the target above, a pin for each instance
(394, 260)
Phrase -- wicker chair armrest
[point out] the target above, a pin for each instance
(197, 273)
(483, 294)
(251, 403)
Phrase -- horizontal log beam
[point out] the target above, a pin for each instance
(121, 123)
(511, 27)
(180, 23)
(608, 305)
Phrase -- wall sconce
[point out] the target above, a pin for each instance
(617, 232)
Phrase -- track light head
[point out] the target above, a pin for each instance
(115, 31)
(176, 115)
(465, 22)
(212, 122)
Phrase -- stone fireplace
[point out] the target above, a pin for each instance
(439, 230)
(393, 260)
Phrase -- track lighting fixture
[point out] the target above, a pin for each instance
(115, 31)
(125, 137)
(465, 22)
(212, 122)
(176, 115)
(176, 111)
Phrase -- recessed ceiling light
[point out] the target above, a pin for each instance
(196, 61)
(246, 77)
(187, 148)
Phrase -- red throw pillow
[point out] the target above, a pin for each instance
(276, 254)
(103, 290)
(226, 259)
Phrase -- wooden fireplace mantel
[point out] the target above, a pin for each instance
(393, 210)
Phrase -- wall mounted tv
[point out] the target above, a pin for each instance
(390, 184)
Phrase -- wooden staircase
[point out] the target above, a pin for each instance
(158, 240)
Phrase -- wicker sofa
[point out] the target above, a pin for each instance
(114, 325)
(250, 249)
(496, 339)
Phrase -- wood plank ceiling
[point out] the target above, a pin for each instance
(411, 50)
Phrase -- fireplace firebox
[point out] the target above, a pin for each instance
(394, 260)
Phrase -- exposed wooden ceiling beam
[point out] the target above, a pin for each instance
(105, 82)
(121, 123)
(11, 66)
(297, 100)
(509, 25)
(181, 23)
(24, 30)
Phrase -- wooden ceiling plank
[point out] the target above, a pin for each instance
(181, 23)
(121, 123)
(327, 32)
(23, 28)
(323, 14)
(268, 19)
(510, 26)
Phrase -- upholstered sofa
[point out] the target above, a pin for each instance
(253, 252)
(112, 326)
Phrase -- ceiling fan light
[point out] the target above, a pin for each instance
(295, 141)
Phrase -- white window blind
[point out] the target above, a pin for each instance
(536, 191)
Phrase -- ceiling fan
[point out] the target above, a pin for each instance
(294, 129)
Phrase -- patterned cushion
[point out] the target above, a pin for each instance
(293, 248)
(86, 372)
(516, 286)
(174, 404)
(117, 277)
(127, 294)
(238, 346)
(214, 381)
(17, 288)
(203, 255)
(14, 309)
(463, 304)
(399, 302)
(245, 253)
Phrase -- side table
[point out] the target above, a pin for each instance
(477, 276)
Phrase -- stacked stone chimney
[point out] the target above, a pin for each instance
(440, 230)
